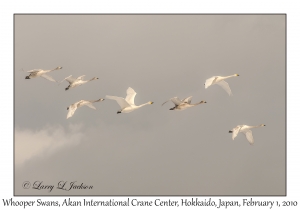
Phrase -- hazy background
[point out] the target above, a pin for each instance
(151, 151)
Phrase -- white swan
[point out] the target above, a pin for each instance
(220, 81)
(246, 130)
(41, 73)
(183, 104)
(127, 105)
(76, 82)
(72, 108)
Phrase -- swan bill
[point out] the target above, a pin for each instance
(27, 77)
(119, 112)
(230, 131)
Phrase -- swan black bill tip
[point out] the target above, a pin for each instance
(118, 112)
(27, 77)
(66, 88)
(67, 108)
(230, 131)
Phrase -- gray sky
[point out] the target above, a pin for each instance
(151, 151)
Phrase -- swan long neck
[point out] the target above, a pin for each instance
(256, 126)
(101, 99)
(92, 79)
(57, 68)
(229, 76)
(201, 102)
(150, 102)
(143, 104)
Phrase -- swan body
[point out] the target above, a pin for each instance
(72, 108)
(220, 81)
(41, 73)
(127, 105)
(183, 104)
(76, 82)
(246, 130)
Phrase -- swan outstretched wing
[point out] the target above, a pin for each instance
(235, 131)
(90, 105)
(130, 96)
(34, 70)
(87, 103)
(121, 101)
(209, 81)
(176, 101)
(80, 77)
(249, 136)
(187, 100)
(225, 86)
(166, 102)
(72, 109)
(48, 78)
(69, 79)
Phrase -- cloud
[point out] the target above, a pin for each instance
(45, 142)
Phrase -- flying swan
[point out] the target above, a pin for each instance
(220, 81)
(246, 130)
(41, 73)
(183, 104)
(127, 105)
(72, 108)
(76, 82)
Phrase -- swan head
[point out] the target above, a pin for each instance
(119, 112)
(230, 131)
(67, 88)
(262, 125)
(150, 102)
(27, 77)
(67, 108)
(204, 102)
(172, 108)
(59, 67)
(236, 75)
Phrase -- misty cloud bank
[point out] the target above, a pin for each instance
(45, 142)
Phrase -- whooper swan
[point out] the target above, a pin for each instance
(72, 108)
(76, 82)
(183, 104)
(246, 130)
(127, 105)
(41, 73)
(220, 81)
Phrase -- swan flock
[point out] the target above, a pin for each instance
(128, 105)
